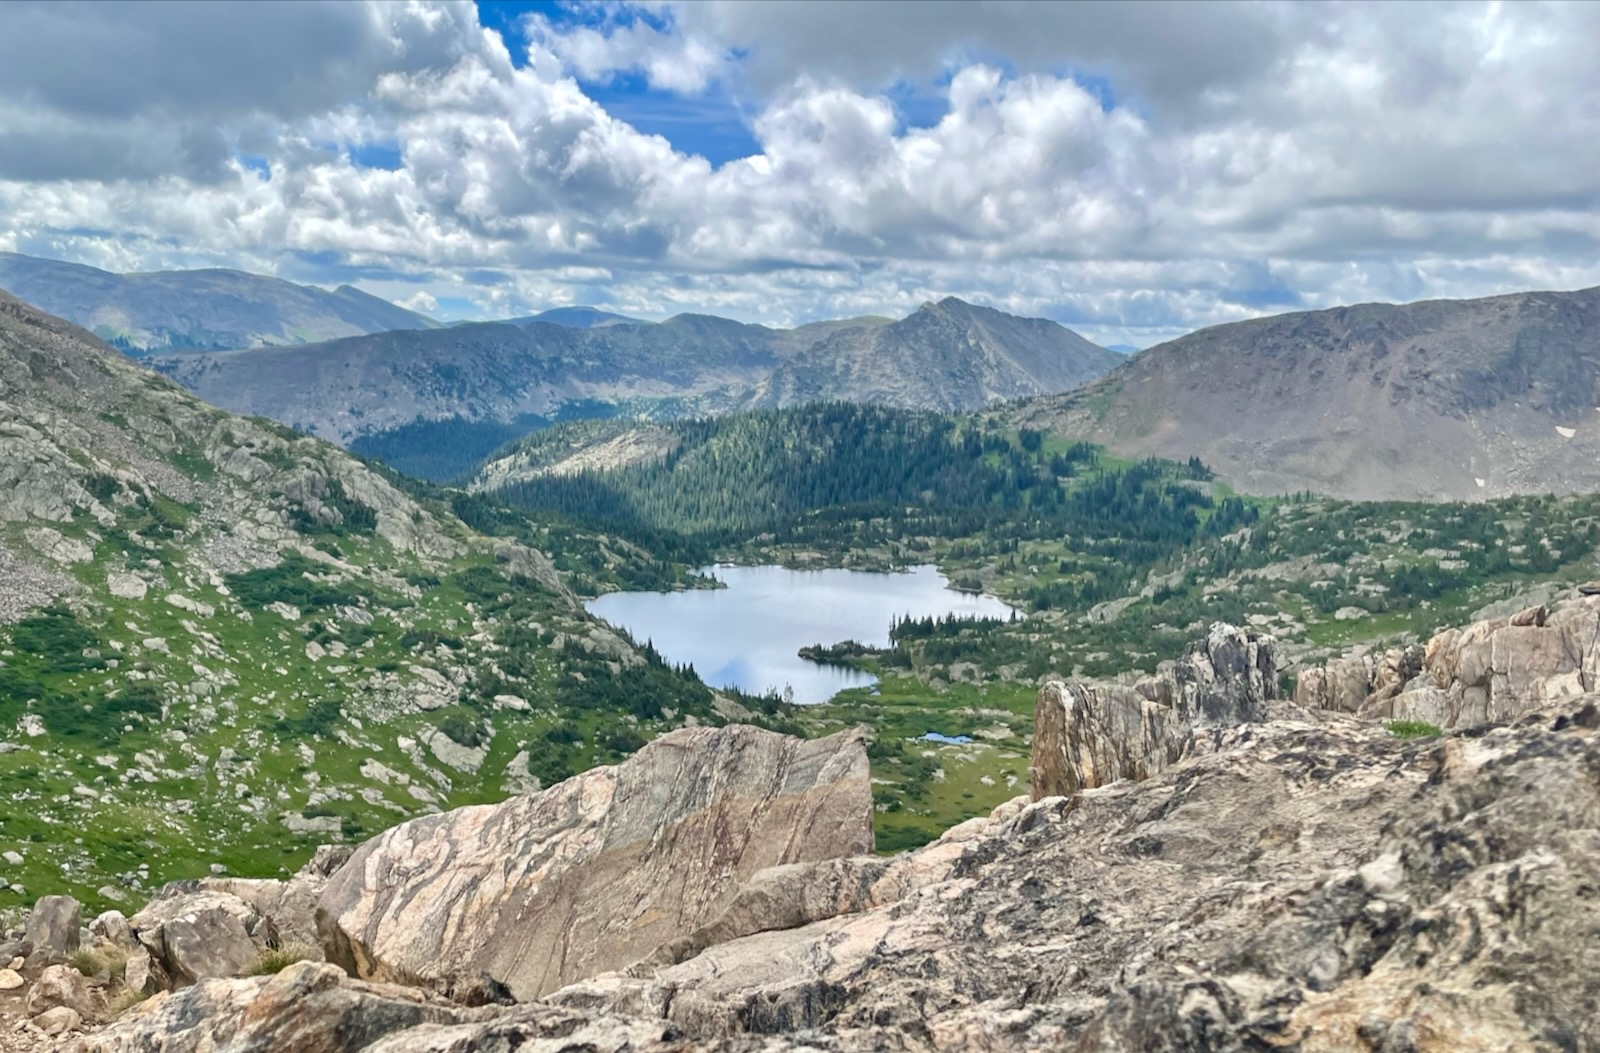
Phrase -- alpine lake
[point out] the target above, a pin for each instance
(944, 751)
(748, 635)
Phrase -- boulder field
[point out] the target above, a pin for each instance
(1201, 866)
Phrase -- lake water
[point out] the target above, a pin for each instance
(748, 634)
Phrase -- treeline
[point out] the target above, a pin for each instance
(823, 474)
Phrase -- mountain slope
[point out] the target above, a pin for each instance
(482, 372)
(438, 402)
(1446, 399)
(221, 642)
(207, 309)
(948, 355)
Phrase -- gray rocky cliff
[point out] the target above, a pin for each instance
(1087, 735)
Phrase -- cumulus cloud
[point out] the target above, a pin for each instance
(1131, 170)
(421, 300)
(670, 58)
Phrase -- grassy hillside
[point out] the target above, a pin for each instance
(223, 643)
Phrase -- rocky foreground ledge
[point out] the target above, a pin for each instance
(1229, 872)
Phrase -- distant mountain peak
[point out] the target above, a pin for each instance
(211, 309)
(580, 317)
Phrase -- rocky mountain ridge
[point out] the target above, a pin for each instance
(200, 309)
(1292, 879)
(1437, 400)
(948, 355)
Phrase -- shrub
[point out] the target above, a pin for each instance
(622, 740)
(56, 635)
(141, 699)
(320, 719)
(102, 487)
(288, 583)
(428, 639)
(123, 1001)
(1413, 729)
(483, 584)
(108, 962)
(463, 730)
(351, 515)
(550, 766)
(274, 960)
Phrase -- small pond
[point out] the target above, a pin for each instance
(748, 635)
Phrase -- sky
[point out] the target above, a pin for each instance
(1133, 170)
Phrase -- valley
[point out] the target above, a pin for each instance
(228, 643)
(1115, 563)
(248, 642)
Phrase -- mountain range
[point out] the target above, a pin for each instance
(403, 394)
(1443, 399)
(1438, 400)
(204, 309)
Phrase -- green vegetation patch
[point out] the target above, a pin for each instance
(296, 581)
(1413, 729)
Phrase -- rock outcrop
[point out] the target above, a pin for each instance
(597, 872)
(57, 986)
(1301, 887)
(195, 934)
(54, 927)
(1090, 735)
(1489, 672)
(309, 1007)
(1304, 888)
(220, 927)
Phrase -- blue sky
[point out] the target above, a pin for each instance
(713, 125)
(1130, 168)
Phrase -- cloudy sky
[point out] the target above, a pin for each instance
(1133, 170)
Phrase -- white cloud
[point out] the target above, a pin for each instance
(421, 300)
(671, 60)
(1335, 153)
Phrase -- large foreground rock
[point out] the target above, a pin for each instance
(597, 872)
(307, 1008)
(1089, 735)
(1306, 888)
(54, 927)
